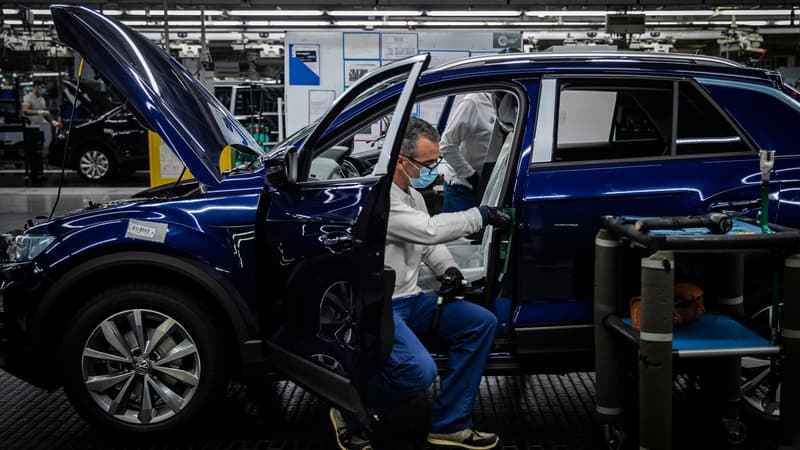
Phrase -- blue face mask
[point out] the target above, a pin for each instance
(426, 177)
(42, 91)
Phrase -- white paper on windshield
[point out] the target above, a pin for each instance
(319, 101)
(171, 166)
(398, 46)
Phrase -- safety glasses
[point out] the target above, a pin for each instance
(430, 166)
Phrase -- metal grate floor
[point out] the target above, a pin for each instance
(529, 412)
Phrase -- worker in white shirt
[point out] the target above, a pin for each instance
(467, 329)
(34, 107)
(464, 145)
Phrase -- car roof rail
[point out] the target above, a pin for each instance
(682, 58)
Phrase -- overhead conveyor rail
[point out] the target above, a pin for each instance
(725, 336)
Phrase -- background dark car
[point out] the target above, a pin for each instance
(106, 140)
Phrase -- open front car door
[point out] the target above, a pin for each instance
(326, 310)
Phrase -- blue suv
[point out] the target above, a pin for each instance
(143, 309)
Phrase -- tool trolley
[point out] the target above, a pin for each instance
(724, 336)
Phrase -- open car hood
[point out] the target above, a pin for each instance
(162, 94)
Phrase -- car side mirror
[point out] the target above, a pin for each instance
(290, 165)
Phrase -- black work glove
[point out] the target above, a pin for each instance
(496, 217)
(452, 283)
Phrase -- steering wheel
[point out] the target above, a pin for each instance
(352, 167)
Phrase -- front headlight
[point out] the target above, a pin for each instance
(16, 248)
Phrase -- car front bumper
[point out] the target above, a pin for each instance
(16, 302)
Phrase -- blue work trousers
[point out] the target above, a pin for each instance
(458, 198)
(465, 330)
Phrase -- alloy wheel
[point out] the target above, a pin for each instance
(141, 366)
(337, 312)
(94, 164)
(761, 387)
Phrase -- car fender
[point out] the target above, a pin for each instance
(101, 251)
(223, 297)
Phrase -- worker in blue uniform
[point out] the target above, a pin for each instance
(465, 328)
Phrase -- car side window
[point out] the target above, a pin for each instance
(619, 119)
(601, 121)
(702, 128)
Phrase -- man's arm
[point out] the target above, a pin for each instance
(408, 224)
(29, 110)
(438, 258)
(458, 129)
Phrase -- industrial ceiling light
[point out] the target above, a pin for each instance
(276, 12)
(464, 23)
(374, 23)
(216, 23)
(377, 13)
(287, 23)
(559, 13)
(475, 13)
(554, 23)
(755, 12)
(10, 11)
(174, 12)
(679, 13)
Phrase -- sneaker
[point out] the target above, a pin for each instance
(468, 438)
(346, 438)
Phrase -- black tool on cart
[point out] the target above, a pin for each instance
(717, 223)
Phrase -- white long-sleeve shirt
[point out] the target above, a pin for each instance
(414, 236)
(466, 139)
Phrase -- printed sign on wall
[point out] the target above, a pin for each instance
(353, 70)
(304, 64)
(398, 45)
(512, 39)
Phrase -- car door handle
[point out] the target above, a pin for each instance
(737, 207)
(338, 243)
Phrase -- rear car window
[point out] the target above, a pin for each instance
(598, 122)
(702, 128)
(622, 119)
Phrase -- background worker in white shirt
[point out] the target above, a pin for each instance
(464, 145)
(465, 328)
(34, 107)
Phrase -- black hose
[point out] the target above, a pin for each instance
(66, 142)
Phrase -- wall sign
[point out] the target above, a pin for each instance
(511, 39)
(304, 64)
(319, 101)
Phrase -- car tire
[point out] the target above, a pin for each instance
(95, 163)
(121, 387)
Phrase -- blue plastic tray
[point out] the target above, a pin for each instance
(717, 335)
